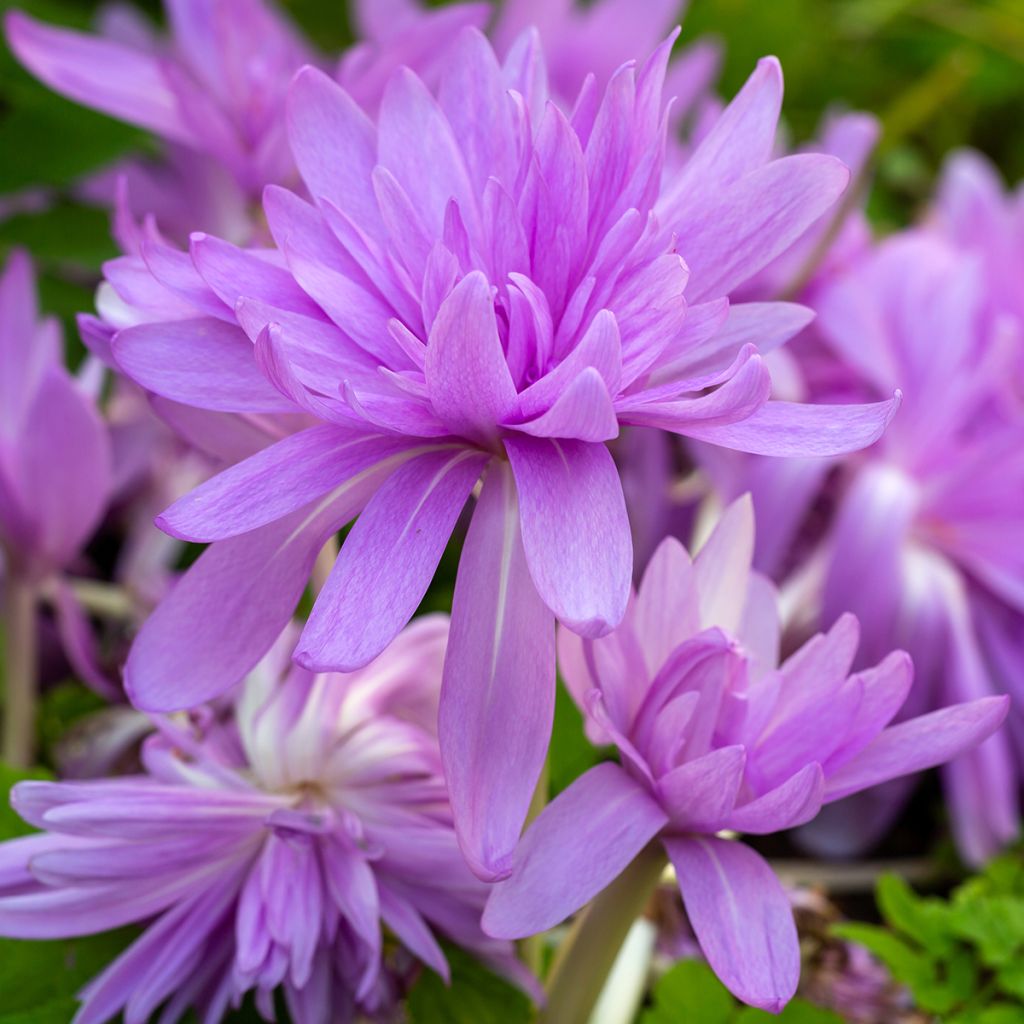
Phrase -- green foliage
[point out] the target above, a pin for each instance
(961, 958)
(691, 992)
(11, 825)
(475, 996)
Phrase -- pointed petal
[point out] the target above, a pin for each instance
(667, 608)
(722, 567)
(498, 694)
(575, 530)
(742, 918)
(788, 430)
(467, 377)
(793, 803)
(584, 412)
(918, 744)
(229, 608)
(388, 560)
(122, 81)
(581, 842)
(277, 481)
(205, 362)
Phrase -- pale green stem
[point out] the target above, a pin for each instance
(582, 964)
(20, 671)
(531, 949)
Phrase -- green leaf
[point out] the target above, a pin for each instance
(912, 967)
(690, 991)
(475, 996)
(63, 706)
(61, 235)
(11, 825)
(994, 924)
(571, 753)
(926, 921)
(39, 980)
(797, 1012)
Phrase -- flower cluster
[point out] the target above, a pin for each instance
(477, 283)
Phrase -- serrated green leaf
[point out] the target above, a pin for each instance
(994, 924)
(926, 921)
(690, 991)
(475, 996)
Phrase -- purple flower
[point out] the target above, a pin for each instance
(927, 542)
(263, 853)
(483, 287)
(55, 461)
(712, 737)
(215, 92)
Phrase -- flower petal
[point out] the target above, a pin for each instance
(575, 530)
(742, 918)
(467, 376)
(581, 842)
(388, 560)
(918, 744)
(789, 430)
(498, 693)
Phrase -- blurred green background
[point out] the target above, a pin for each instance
(939, 73)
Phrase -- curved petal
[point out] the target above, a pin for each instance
(119, 80)
(468, 379)
(277, 481)
(741, 916)
(789, 430)
(793, 803)
(583, 411)
(230, 607)
(918, 744)
(203, 362)
(498, 692)
(388, 560)
(581, 842)
(575, 530)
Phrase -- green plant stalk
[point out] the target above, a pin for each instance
(531, 949)
(21, 659)
(582, 964)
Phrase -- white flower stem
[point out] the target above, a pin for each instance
(21, 659)
(588, 952)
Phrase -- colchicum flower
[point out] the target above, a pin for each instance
(262, 853)
(215, 91)
(927, 542)
(712, 737)
(483, 286)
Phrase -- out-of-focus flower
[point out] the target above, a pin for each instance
(482, 284)
(262, 853)
(214, 90)
(711, 737)
(978, 215)
(595, 40)
(931, 520)
(55, 463)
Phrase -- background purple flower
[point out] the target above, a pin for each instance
(262, 852)
(710, 738)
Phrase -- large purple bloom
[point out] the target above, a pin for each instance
(483, 287)
(261, 853)
(712, 737)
